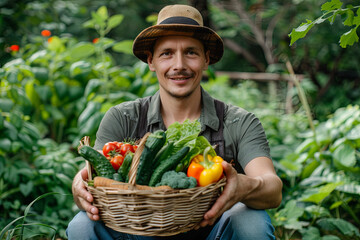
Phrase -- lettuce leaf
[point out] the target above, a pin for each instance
(187, 134)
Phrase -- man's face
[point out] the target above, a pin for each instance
(178, 62)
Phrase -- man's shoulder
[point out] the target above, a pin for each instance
(237, 115)
(128, 108)
(130, 105)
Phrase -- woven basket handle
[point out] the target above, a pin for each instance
(136, 159)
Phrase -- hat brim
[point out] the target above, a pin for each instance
(145, 41)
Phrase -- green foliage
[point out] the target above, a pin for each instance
(23, 230)
(331, 10)
(55, 92)
(321, 179)
(52, 94)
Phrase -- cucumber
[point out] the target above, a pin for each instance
(153, 144)
(125, 167)
(163, 154)
(167, 165)
(102, 166)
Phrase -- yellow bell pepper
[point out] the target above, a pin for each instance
(205, 168)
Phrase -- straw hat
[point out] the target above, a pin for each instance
(179, 20)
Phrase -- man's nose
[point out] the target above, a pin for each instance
(179, 62)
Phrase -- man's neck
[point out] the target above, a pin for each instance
(180, 109)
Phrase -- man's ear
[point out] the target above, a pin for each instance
(207, 60)
(149, 61)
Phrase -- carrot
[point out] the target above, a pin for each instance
(106, 182)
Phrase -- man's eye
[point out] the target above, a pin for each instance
(192, 52)
(165, 54)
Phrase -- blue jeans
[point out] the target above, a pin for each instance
(239, 222)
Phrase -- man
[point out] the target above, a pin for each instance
(179, 48)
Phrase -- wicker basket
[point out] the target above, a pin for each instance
(152, 212)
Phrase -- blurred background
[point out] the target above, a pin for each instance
(63, 64)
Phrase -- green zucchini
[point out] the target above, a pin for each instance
(167, 165)
(153, 144)
(101, 164)
(125, 167)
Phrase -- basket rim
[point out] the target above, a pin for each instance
(177, 192)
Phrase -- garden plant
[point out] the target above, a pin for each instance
(55, 89)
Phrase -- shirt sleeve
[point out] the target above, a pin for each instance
(118, 123)
(248, 136)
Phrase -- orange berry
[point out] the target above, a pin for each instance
(45, 33)
(14, 48)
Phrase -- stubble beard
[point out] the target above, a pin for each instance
(174, 94)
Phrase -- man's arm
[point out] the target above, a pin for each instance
(82, 197)
(260, 188)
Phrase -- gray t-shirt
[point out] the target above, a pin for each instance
(244, 135)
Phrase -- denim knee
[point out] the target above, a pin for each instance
(241, 222)
(82, 228)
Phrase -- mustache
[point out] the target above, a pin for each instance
(180, 74)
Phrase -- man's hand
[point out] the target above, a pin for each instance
(227, 198)
(82, 197)
(260, 188)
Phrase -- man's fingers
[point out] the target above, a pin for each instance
(84, 174)
(93, 217)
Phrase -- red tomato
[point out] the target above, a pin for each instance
(117, 161)
(125, 147)
(109, 149)
(118, 146)
(135, 147)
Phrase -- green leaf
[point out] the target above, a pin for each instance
(6, 104)
(288, 216)
(90, 110)
(37, 55)
(31, 130)
(55, 112)
(16, 120)
(13, 76)
(300, 31)
(349, 38)
(80, 68)
(60, 89)
(309, 169)
(92, 86)
(44, 92)
(115, 21)
(123, 46)
(1, 121)
(56, 45)
(5, 144)
(330, 237)
(41, 74)
(311, 233)
(26, 188)
(89, 24)
(354, 133)
(91, 125)
(336, 205)
(321, 193)
(350, 18)
(82, 50)
(345, 155)
(103, 13)
(332, 5)
(97, 20)
(337, 224)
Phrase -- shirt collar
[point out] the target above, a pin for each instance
(208, 117)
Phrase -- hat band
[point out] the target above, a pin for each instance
(180, 20)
